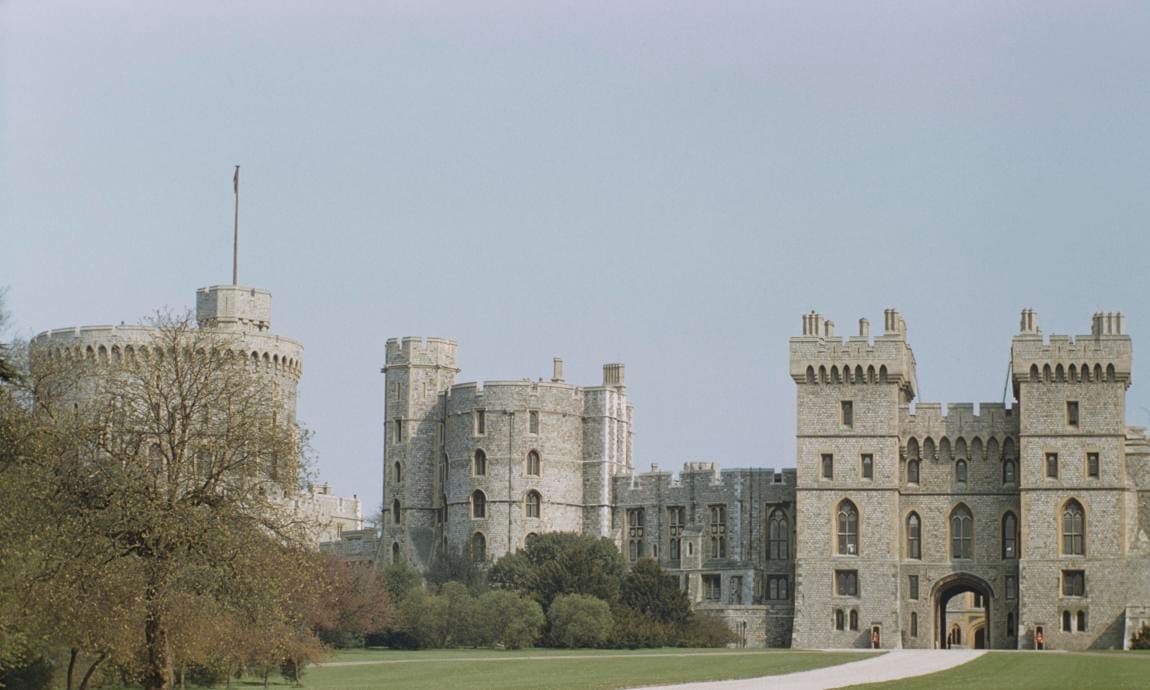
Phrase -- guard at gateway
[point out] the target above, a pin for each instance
(900, 526)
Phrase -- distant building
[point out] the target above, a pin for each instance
(901, 525)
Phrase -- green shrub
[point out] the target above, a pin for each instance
(635, 629)
(1141, 639)
(510, 620)
(706, 630)
(579, 620)
(35, 674)
(208, 675)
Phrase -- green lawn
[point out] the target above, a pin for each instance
(550, 669)
(1034, 671)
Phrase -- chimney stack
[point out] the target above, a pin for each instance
(864, 328)
(613, 374)
(557, 370)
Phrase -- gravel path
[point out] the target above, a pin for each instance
(900, 663)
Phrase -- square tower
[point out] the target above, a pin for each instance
(847, 558)
(1076, 498)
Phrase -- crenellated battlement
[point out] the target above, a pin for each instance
(960, 420)
(819, 357)
(413, 350)
(1104, 355)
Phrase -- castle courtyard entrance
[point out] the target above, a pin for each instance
(961, 612)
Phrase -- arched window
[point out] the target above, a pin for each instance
(840, 620)
(778, 536)
(1081, 621)
(397, 474)
(912, 472)
(395, 552)
(1073, 529)
(478, 547)
(1008, 472)
(810, 374)
(396, 513)
(1066, 621)
(478, 504)
(854, 617)
(480, 465)
(961, 532)
(848, 529)
(533, 463)
(867, 466)
(913, 536)
(1009, 536)
(534, 501)
(960, 471)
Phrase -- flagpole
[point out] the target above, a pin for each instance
(236, 230)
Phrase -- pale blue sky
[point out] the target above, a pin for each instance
(665, 184)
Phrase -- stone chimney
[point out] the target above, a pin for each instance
(613, 374)
(557, 370)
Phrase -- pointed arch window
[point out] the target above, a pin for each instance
(1073, 529)
(912, 472)
(480, 465)
(913, 536)
(778, 536)
(961, 533)
(397, 474)
(395, 552)
(1008, 471)
(533, 504)
(478, 547)
(960, 471)
(478, 504)
(1009, 536)
(847, 520)
(396, 513)
(533, 463)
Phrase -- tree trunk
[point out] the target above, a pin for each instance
(158, 671)
(91, 670)
(72, 653)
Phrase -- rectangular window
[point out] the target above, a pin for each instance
(913, 624)
(1073, 583)
(1052, 465)
(912, 587)
(480, 422)
(533, 422)
(718, 530)
(635, 532)
(1092, 465)
(713, 587)
(848, 412)
(828, 466)
(736, 589)
(399, 431)
(867, 466)
(840, 620)
(677, 518)
(847, 583)
(778, 588)
(1072, 412)
(1011, 587)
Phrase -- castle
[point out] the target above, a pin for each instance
(245, 314)
(900, 526)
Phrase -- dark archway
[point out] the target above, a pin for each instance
(951, 586)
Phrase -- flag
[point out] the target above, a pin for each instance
(236, 181)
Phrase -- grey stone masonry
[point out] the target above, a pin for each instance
(1038, 513)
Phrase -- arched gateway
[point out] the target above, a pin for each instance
(973, 616)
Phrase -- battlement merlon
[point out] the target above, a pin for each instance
(234, 307)
(1106, 349)
(411, 350)
(818, 350)
(993, 419)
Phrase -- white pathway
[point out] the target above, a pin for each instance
(899, 663)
